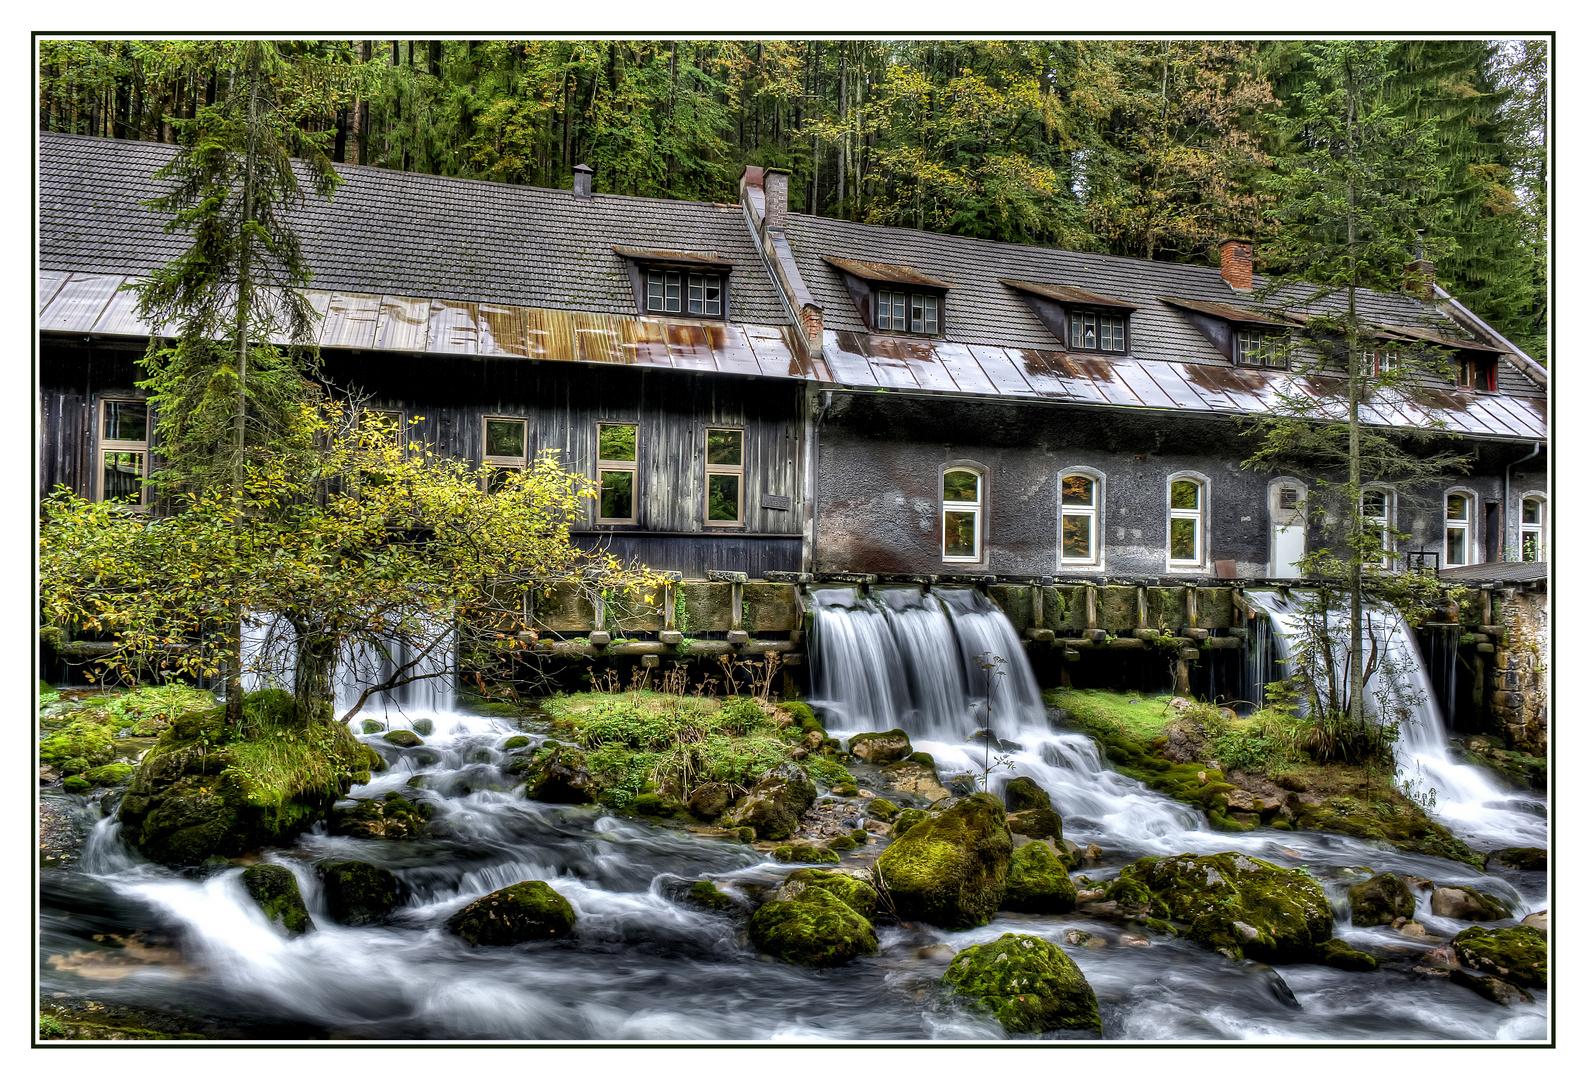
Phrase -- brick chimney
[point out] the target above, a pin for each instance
(1234, 260)
(583, 175)
(776, 187)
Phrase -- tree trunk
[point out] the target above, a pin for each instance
(1353, 528)
(313, 692)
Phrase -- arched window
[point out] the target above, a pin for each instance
(1457, 528)
(1377, 520)
(961, 515)
(1532, 514)
(1080, 539)
(1187, 504)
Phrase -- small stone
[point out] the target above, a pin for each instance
(1134, 941)
(1443, 957)
(1538, 921)
(1093, 853)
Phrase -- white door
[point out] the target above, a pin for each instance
(1289, 530)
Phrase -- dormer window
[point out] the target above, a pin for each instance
(1245, 336)
(1082, 320)
(1477, 372)
(1252, 348)
(915, 313)
(1096, 331)
(894, 299)
(674, 292)
(683, 284)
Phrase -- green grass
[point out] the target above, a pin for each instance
(1133, 716)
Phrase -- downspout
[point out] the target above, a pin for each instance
(1537, 448)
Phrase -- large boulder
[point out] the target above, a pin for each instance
(1237, 905)
(1038, 881)
(1038, 823)
(1027, 983)
(1023, 793)
(914, 778)
(1517, 954)
(881, 747)
(404, 738)
(1380, 900)
(811, 923)
(950, 869)
(527, 911)
(359, 893)
(275, 889)
(385, 817)
(1518, 858)
(1468, 905)
(776, 802)
(856, 892)
(707, 801)
(556, 773)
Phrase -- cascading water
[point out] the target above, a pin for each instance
(642, 964)
(1466, 798)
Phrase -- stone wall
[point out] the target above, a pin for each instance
(1518, 678)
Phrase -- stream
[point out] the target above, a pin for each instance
(641, 965)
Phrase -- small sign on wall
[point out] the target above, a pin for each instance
(776, 502)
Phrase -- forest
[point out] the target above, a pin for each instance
(1156, 149)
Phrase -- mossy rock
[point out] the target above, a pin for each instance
(842, 843)
(708, 801)
(1380, 900)
(815, 929)
(1519, 858)
(908, 819)
(358, 893)
(853, 891)
(774, 805)
(804, 853)
(1517, 954)
(1038, 824)
(517, 742)
(1467, 904)
(1338, 954)
(881, 747)
(1023, 793)
(651, 804)
(558, 773)
(1038, 881)
(1232, 903)
(76, 785)
(387, 817)
(1027, 983)
(404, 738)
(1410, 830)
(109, 775)
(373, 727)
(860, 836)
(527, 911)
(920, 757)
(881, 810)
(950, 870)
(704, 894)
(84, 743)
(275, 889)
(424, 726)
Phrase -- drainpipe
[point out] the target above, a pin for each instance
(813, 469)
(1537, 448)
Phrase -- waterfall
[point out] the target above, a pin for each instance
(1466, 798)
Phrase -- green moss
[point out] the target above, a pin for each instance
(1338, 954)
(86, 739)
(373, 727)
(815, 929)
(860, 836)
(527, 911)
(804, 853)
(424, 726)
(950, 870)
(920, 757)
(1023, 793)
(275, 890)
(881, 810)
(908, 819)
(1380, 900)
(1038, 882)
(706, 895)
(1517, 954)
(842, 843)
(109, 775)
(404, 738)
(516, 742)
(76, 785)
(358, 893)
(653, 805)
(853, 891)
(1027, 983)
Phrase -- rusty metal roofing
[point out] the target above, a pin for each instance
(688, 258)
(880, 362)
(1231, 312)
(888, 272)
(98, 304)
(1419, 334)
(1068, 294)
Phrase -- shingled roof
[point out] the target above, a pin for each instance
(407, 234)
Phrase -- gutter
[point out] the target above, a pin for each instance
(1463, 315)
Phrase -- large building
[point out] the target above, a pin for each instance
(758, 390)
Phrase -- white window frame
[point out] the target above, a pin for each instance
(122, 446)
(913, 313)
(1539, 528)
(1468, 547)
(962, 506)
(1198, 516)
(1104, 330)
(615, 465)
(502, 461)
(724, 470)
(395, 416)
(1254, 348)
(1385, 524)
(1091, 513)
(1378, 362)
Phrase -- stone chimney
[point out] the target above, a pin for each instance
(1235, 263)
(1419, 273)
(776, 187)
(583, 175)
